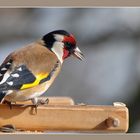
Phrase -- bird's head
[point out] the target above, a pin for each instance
(63, 44)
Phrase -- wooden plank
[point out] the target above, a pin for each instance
(88, 118)
(53, 101)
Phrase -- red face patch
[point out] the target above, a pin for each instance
(69, 45)
(65, 53)
(70, 39)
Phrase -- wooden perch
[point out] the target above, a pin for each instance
(88, 118)
(53, 101)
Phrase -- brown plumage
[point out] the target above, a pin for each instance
(28, 72)
(36, 54)
(32, 55)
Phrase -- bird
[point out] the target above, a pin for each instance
(29, 71)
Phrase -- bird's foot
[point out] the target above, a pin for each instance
(35, 107)
(39, 101)
(43, 101)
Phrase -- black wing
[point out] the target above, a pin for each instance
(21, 75)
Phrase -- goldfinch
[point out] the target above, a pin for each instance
(28, 72)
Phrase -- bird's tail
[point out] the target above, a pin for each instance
(2, 95)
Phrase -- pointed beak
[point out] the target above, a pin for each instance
(77, 53)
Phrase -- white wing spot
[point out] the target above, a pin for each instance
(3, 69)
(6, 75)
(15, 75)
(8, 63)
(19, 69)
(10, 83)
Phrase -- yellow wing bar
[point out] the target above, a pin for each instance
(39, 77)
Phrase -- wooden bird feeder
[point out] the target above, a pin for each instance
(62, 115)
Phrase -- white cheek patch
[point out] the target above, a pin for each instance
(58, 50)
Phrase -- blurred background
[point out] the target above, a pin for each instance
(110, 40)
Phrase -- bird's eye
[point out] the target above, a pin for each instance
(68, 44)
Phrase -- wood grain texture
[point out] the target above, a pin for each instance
(78, 118)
